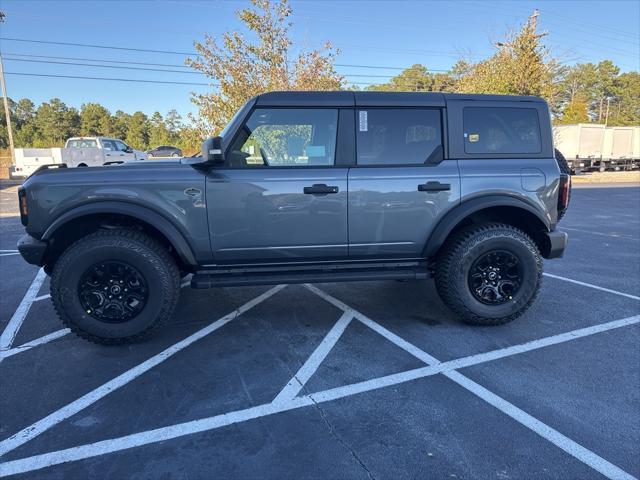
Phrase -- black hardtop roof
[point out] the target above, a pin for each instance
(377, 99)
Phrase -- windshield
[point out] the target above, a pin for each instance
(238, 116)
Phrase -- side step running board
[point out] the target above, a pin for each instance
(209, 280)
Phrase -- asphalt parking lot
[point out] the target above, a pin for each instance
(364, 380)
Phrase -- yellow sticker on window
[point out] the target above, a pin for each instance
(474, 137)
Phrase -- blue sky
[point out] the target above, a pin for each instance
(377, 33)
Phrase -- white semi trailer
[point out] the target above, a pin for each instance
(594, 147)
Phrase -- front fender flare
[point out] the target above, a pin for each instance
(446, 225)
(139, 212)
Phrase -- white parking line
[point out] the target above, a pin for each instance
(545, 431)
(11, 330)
(614, 235)
(82, 452)
(32, 431)
(34, 343)
(590, 285)
(8, 254)
(8, 251)
(313, 362)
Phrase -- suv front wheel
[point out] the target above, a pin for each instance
(489, 274)
(115, 286)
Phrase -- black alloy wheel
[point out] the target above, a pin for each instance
(495, 277)
(112, 291)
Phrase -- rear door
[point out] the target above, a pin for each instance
(401, 184)
(282, 195)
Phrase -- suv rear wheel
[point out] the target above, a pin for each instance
(489, 274)
(115, 286)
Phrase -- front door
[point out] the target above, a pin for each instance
(401, 185)
(280, 196)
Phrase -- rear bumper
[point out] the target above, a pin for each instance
(32, 249)
(556, 244)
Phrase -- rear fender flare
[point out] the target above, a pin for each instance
(452, 219)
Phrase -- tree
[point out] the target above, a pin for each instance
(94, 120)
(158, 133)
(55, 122)
(243, 66)
(625, 110)
(138, 131)
(520, 66)
(119, 124)
(417, 79)
(604, 89)
(576, 111)
(173, 122)
(25, 111)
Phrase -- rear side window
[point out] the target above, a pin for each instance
(401, 136)
(498, 130)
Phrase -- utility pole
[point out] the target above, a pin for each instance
(5, 99)
(606, 117)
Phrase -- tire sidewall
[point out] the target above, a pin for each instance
(144, 260)
(530, 274)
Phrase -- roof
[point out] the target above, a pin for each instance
(375, 99)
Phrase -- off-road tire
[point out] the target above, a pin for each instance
(142, 252)
(564, 168)
(459, 254)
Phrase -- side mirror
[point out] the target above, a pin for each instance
(128, 149)
(212, 151)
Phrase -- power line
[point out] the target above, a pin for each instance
(133, 80)
(110, 79)
(122, 67)
(90, 45)
(97, 60)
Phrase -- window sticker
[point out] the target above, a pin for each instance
(474, 137)
(315, 151)
(363, 121)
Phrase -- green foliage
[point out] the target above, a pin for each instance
(262, 61)
(575, 112)
(94, 119)
(138, 131)
(417, 79)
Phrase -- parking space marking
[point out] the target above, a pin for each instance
(591, 285)
(545, 431)
(113, 445)
(8, 251)
(614, 235)
(11, 330)
(34, 343)
(309, 367)
(8, 254)
(32, 431)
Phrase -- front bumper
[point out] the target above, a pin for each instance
(32, 249)
(556, 244)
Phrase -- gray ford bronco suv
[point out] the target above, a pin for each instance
(310, 187)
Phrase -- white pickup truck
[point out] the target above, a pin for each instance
(77, 152)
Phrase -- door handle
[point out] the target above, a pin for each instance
(434, 187)
(320, 189)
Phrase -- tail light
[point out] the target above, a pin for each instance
(24, 209)
(563, 194)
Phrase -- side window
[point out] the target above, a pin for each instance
(401, 136)
(109, 145)
(120, 146)
(501, 130)
(286, 137)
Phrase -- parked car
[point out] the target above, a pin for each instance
(77, 152)
(165, 151)
(311, 187)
